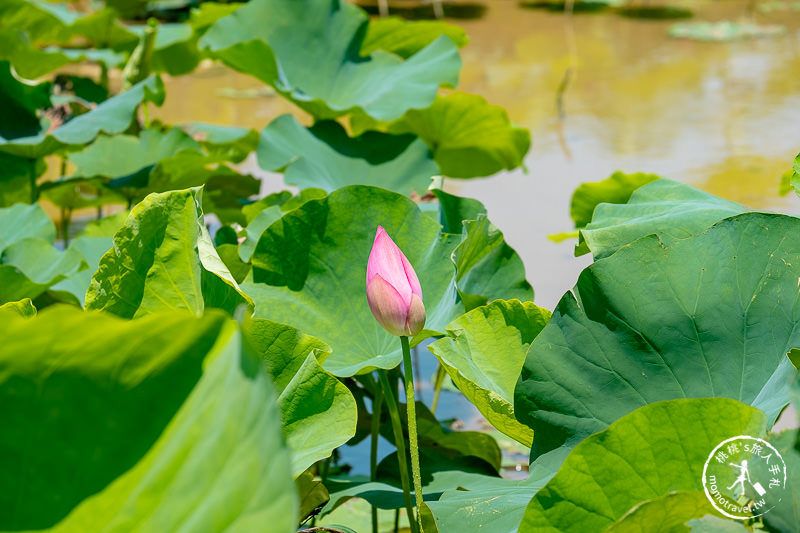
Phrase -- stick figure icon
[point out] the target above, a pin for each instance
(744, 475)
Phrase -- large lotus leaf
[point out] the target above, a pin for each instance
(404, 38)
(159, 424)
(483, 353)
(310, 266)
(111, 117)
(482, 503)
(668, 513)
(318, 412)
(21, 101)
(708, 316)
(657, 450)
(131, 153)
(468, 136)
(488, 268)
(22, 221)
(324, 156)
(668, 208)
(30, 266)
(615, 189)
(163, 259)
(290, 45)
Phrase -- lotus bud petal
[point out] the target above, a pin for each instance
(393, 290)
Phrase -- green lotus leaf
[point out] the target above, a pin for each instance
(132, 153)
(30, 266)
(46, 22)
(786, 514)
(33, 62)
(310, 265)
(91, 250)
(668, 208)
(324, 156)
(468, 136)
(23, 308)
(318, 412)
(709, 316)
(231, 142)
(21, 101)
(19, 175)
(484, 352)
(667, 513)
(653, 452)
(130, 405)
(483, 503)
(111, 117)
(713, 524)
(312, 494)
(163, 259)
(616, 189)
(488, 268)
(794, 175)
(22, 221)
(272, 40)
(404, 38)
(454, 210)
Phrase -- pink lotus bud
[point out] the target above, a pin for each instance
(393, 290)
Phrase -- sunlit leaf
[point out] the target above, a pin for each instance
(272, 40)
(670, 209)
(649, 454)
(318, 413)
(30, 266)
(708, 316)
(141, 414)
(23, 308)
(616, 189)
(404, 38)
(468, 136)
(163, 259)
(483, 353)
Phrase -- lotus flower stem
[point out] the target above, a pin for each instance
(438, 382)
(411, 409)
(400, 443)
(377, 407)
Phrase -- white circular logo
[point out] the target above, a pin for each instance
(744, 477)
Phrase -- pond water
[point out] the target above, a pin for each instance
(724, 117)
